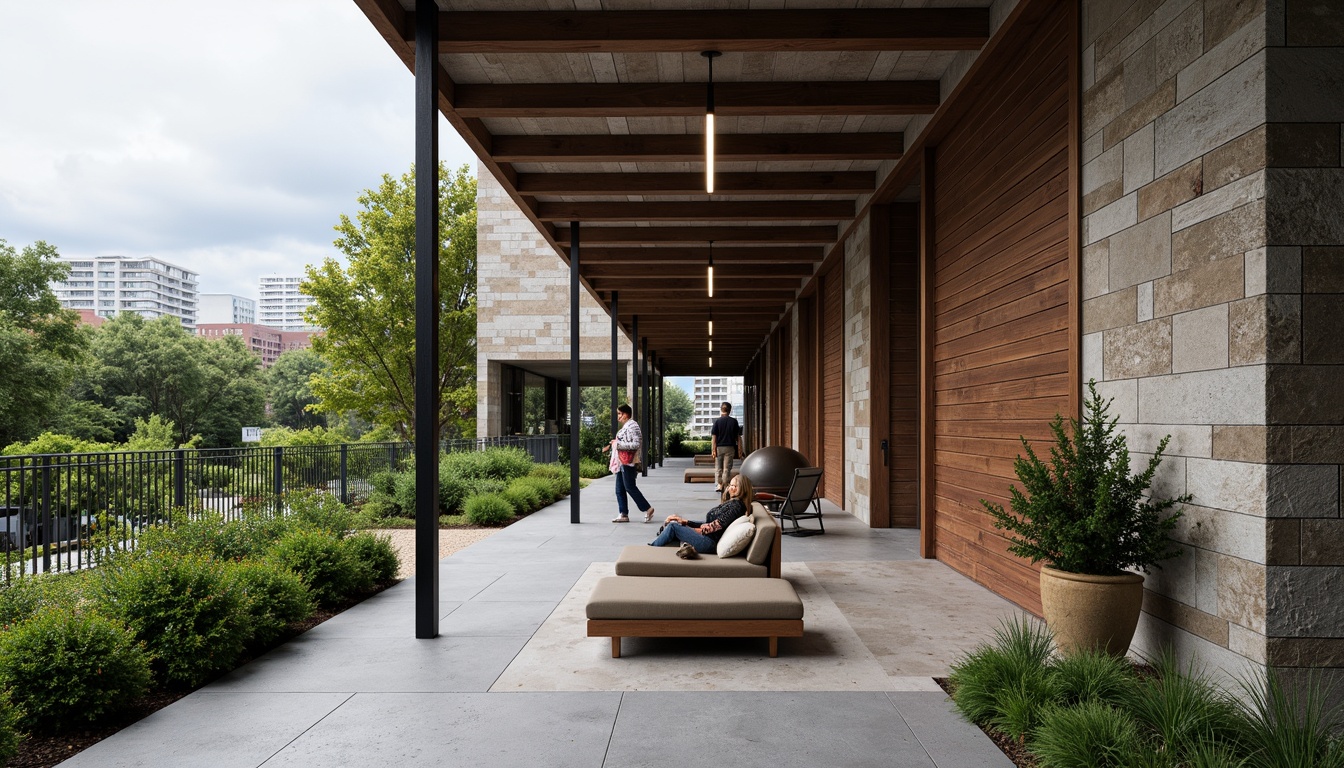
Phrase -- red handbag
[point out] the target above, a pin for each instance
(626, 457)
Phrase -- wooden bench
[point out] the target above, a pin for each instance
(651, 606)
(703, 475)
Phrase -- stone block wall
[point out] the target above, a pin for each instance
(858, 364)
(522, 291)
(1211, 262)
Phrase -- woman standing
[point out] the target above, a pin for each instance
(628, 444)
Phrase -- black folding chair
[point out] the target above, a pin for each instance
(800, 503)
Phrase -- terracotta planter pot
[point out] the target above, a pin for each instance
(1087, 612)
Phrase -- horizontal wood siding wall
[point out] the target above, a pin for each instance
(833, 386)
(1001, 301)
(903, 362)
(786, 408)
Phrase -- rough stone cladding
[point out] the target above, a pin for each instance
(1213, 286)
(858, 364)
(522, 292)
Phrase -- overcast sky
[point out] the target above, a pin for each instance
(224, 137)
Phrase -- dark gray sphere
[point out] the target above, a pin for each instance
(773, 466)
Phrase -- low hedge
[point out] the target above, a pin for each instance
(66, 668)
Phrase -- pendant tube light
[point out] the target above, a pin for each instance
(710, 274)
(709, 123)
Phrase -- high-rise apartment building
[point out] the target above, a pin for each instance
(226, 308)
(147, 286)
(282, 304)
(709, 395)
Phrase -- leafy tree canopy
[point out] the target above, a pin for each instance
(289, 390)
(207, 387)
(368, 309)
(678, 406)
(40, 343)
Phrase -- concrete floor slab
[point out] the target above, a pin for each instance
(312, 663)
(950, 741)
(485, 618)
(212, 729)
(517, 730)
(762, 730)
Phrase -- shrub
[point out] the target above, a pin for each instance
(488, 509)
(544, 487)
(319, 510)
(217, 476)
(1085, 512)
(10, 735)
(481, 486)
(383, 481)
(492, 463)
(21, 598)
(1288, 730)
(66, 668)
(523, 496)
(1184, 709)
(1093, 675)
(1004, 683)
(404, 494)
(186, 610)
(275, 597)
(377, 553)
(323, 563)
(592, 469)
(208, 533)
(1089, 735)
(452, 491)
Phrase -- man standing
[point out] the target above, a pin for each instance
(725, 441)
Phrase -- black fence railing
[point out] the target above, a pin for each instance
(62, 511)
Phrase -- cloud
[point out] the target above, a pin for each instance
(224, 137)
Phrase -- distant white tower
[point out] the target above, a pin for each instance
(225, 308)
(709, 395)
(282, 303)
(149, 287)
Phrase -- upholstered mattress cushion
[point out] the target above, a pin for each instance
(641, 597)
(643, 560)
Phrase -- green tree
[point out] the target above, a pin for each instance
(678, 406)
(289, 391)
(207, 387)
(40, 344)
(368, 310)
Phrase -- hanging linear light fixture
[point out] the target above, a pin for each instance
(711, 338)
(709, 123)
(710, 274)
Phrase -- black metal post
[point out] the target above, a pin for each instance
(345, 477)
(662, 419)
(278, 477)
(46, 517)
(615, 337)
(575, 400)
(180, 479)
(644, 401)
(426, 320)
(634, 366)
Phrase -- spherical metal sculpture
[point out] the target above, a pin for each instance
(772, 467)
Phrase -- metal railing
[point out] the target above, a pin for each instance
(54, 508)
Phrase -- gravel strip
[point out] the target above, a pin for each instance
(450, 541)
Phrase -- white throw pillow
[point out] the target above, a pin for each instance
(737, 537)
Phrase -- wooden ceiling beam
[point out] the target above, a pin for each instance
(685, 148)
(542, 100)
(697, 235)
(797, 183)
(830, 29)
(639, 258)
(701, 210)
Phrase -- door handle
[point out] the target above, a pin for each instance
(884, 453)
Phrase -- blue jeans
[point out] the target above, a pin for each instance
(625, 483)
(674, 532)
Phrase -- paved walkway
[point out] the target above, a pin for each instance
(513, 681)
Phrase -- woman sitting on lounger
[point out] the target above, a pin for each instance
(704, 537)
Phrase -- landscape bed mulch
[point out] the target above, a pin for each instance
(1012, 748)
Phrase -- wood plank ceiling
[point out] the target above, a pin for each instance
(596, 115)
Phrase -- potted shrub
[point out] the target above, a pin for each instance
(1093, 523)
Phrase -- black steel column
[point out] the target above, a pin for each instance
(644, 401)
(426, 320)
(634, 367)
(575, 401)
(662, 419)
(615, 358)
